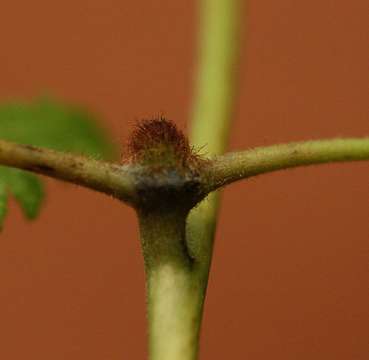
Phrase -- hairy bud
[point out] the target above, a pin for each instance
(159, 143)
(170, 175)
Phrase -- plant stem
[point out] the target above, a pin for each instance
(174, 312)
(174, 294)
(240, 165)
(174, 290)
(105, 177)
(217, 75)
(213, 108)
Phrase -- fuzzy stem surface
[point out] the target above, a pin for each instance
(174, 293)
(213, 107)
(174, 312)
(240, 165)
(109, 178)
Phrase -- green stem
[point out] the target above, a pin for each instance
(174, 294)
(240, 165)
(213, 109)
(174, 312)
(217, 75)
(176, 290)
(109, 178)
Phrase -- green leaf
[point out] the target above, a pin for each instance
(46, 123)
(60, 127)
(25, 187)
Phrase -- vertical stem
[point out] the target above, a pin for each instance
(216, 79)
(174, 312)
(174, 294)
(177, 267)
(213, 107)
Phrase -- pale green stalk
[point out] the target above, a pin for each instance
(213, 107)
(109, 178)
(243, 164)
(215, 89)
(176, 294)
(174, 312)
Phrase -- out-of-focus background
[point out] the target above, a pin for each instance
(289, 278)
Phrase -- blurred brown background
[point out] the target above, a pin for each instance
(290, 272)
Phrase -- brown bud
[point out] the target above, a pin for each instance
(159, 143)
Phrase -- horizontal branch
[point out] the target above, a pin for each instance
(240, 165)
(109, 178)
(120, 181)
